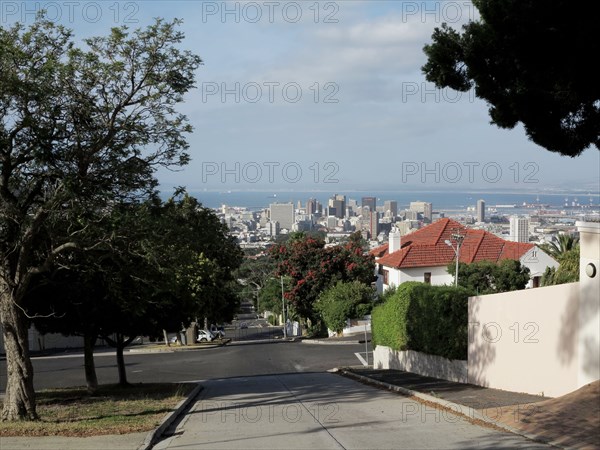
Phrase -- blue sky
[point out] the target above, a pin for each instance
(332, 100)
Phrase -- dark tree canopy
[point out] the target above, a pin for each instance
(533, 62)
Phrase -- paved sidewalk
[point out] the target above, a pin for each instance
(571, 421)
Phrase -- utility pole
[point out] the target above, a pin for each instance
(283, 311)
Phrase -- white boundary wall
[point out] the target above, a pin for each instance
(421, 363)
(525, 341)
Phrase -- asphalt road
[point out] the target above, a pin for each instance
(271, 356)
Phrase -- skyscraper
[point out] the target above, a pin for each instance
(391, 206)
(480, 211)
(338, 202)
(311, 206)
(373, 224)
(283, 213)
(425, 208)
(519, 229)
(371, 202)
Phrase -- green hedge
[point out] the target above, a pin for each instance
(424, 318)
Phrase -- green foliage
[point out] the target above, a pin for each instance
(568, 269)
(314, 268)
(510, 57)
(560, 245)
(345, 300)
(164, 265)
(487, 277)
(84, 128)
(424, 318)
(270, 295)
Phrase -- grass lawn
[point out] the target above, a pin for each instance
(113, 410)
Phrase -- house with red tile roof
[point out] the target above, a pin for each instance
(425, 254)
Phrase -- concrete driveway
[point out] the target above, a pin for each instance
(322, 411)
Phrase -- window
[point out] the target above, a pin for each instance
(427, 277)
(386, 276)
(536, 282)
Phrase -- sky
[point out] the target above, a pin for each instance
(328, 96)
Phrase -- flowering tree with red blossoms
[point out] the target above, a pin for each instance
(313, 268)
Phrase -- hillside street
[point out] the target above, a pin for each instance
(271, 395)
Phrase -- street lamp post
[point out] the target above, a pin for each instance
(459, 238)
(283, 311)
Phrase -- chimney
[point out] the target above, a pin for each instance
(394, 240)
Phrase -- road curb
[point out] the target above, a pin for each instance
(153, 436)
(461, 410)
(184, 348)
(321, 342)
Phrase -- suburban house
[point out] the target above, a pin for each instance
(425, 254)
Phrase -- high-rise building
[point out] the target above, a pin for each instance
(480, 211)
(311, 206)
(339, 203)
(424, 208)
(352, 204)
(519, 229)
(282, 213)
(373, 224)
(390, 208)
(371, 202)
(273, 228)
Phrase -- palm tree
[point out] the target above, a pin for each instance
(561, 245)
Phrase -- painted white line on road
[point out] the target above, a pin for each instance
(361, 359)
(74, 355)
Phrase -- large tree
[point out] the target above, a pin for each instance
(532, 62)
(313, 268)
(162, 266)
(80, 128)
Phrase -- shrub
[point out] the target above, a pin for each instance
(424, 318)
(345, 300)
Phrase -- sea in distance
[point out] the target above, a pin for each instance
(449, 201)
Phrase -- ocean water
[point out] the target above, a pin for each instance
(442, 201)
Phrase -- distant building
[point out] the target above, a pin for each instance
(519, 229)
(311, 206)
(337, 206)
(390, 208)
(273, 228)
(424, 208)
(283, 213)
(373, 224)
(332, 222)
(371, 202)
(480, 211)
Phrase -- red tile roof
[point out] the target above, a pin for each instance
(426, 247)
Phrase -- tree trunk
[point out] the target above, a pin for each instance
(19, 399)
(167, 343)
(121, 360)
(89, 341)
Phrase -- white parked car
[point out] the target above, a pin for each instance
(205, 336)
